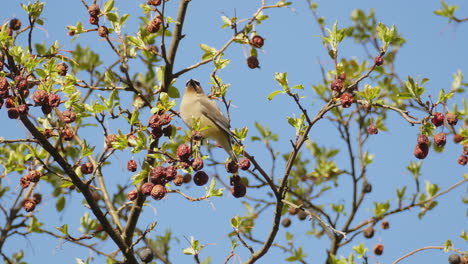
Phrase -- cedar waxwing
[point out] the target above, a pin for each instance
(196, 104)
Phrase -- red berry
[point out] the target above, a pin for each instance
(378, 60)
(423, 139)
(200, 178)
(452, 119)
(13, 113)
(293, 210)
(437, 119)
(67, 134)
(178, 180)
(385, 224)
(15, 24)
(378, 249)
(146, 188)
(110, 139)
(62, 68)
(257, 41)
(40, 97)
(183, 152)
(94, 10)
(286, 222)
(244, 164)
(25, 181)
(132, 165)
(440, 139)
(252, 62)
(158, 175)
(421, 151)
(46, 109)
(372, 129)
(34, 175)
(21, 83)
(93, 20)
(368, 232)
(457, 138)
(4, 84)
(103, 31)
(29, 205)
(87, 168)
(346, 100)
(197, 164)
(23, 109)
(239, 190)
(37, 197)
(170, 173)
(156, 133)
(187, 178)
(462, 160)
(54, 100)
(68, 116)
(10, 102)
(132, 195)
(337, 85)
(158, 192)
(167, 131)
(231, 166)
(154, 2)
(302, 215)
(152, 28)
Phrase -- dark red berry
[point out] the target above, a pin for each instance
(34, 175)
(200, 178)
(46, 109)
(94, 10)
(183, 152)
(67, 134)
(4, 84)
(146, 188)
(385, 224)
(87, 168)
(154, 2)
(452, 119)
(62, 68)
(156, 133)
(437, 119)
(25, 181)
(152, 28)
(196, 135)
(293, 210)
(462, 160)
(103, 31)
(337, 85)
(54, 100)
(368, 232)
(239, 190)
(110, 139)
(23, 109)
(378, 249)
(10, 102)
(158, 175)
(132, 195)
(197, 164)
(253, 62)
(68, 116)
(231, 166)
(21, 83)
(423, 139)
(48, 133)
(286, 222)
(378, 60)
(187, 178)
(158, 192)
(94, 20)
(37, 197)
(346, 100)
(146, 255)
(454, 259)
(244, 164)
(170, 173)
(372, 129)
(178, 180)
(40, 97)
(13, 113)
(257, 41)
(367, 187)
(29, 205)
(302, 215)
(167, 131)
(15, 24)
(421, 151)
(440, 139)
(132, 165)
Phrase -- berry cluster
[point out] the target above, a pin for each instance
(256, 41)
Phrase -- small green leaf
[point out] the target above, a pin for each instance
(108, 6)
(60, 204)
(273, 94)
(236, 222)
(63, 229)
(447, 245)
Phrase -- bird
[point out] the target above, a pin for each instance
(196, 104)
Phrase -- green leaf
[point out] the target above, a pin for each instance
(63, 229)
(86, 150)
(273, 94)
(281, 78)
(60, 204)
(360, 250)
(212, 191)
(108, 6)
(447, 245)
(381, 208)
(236, 222)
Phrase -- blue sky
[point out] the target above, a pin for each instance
(434, 49)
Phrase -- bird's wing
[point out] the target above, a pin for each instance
(211, 111)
